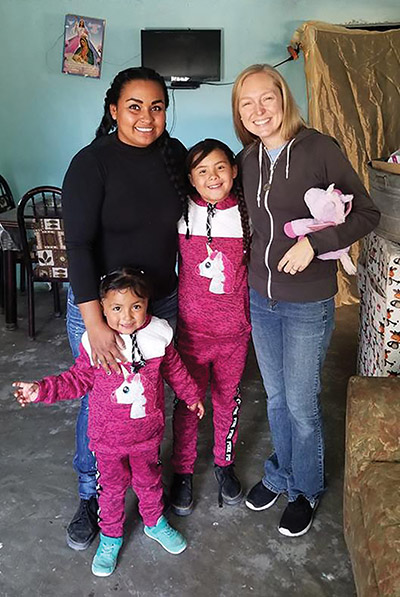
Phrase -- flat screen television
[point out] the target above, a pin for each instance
(184, 57)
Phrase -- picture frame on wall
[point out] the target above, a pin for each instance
(83, 46)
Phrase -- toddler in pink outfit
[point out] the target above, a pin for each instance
(126, 414)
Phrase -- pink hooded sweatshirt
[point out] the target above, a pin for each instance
(213, 292)
(126, 408)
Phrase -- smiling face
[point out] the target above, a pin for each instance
(261, 109)
(213, 176)
(140, 113)
(124, 311)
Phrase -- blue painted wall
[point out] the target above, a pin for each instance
(47, 116)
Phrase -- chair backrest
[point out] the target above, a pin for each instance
(6, 198)
(42, 234)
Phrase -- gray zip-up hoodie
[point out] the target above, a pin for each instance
(275, 195)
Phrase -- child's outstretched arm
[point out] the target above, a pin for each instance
(71, 384)
(26, 391)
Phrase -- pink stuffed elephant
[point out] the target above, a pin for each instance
(328, 208)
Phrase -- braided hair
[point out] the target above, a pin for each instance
(175, 174)
(139, 73)
(196, 155)
(108, 124)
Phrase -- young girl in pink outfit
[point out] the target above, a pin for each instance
(213, 317)
(126, 414)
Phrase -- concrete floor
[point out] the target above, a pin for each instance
(232, 551)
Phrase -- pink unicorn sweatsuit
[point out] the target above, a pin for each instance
(126, 417)
(213, 324)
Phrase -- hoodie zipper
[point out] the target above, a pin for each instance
(266, 189)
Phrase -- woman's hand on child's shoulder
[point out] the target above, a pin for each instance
(26, 391)
(106, 347)
(199, 407)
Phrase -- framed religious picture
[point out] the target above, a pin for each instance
(83, 46)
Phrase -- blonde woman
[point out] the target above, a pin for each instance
(291, 292)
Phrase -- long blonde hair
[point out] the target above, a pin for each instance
(292, 120)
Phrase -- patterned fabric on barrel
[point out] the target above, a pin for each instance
(50, 249)
(372, 484)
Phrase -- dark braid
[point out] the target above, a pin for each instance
(244, 217)
(139, 73)
(107, 123)
(196, 155)
(175, 174)
(186, 216)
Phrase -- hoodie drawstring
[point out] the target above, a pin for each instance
(288, 158)
(267, 186)
(211, 209)
(260, 156)
(136, 365)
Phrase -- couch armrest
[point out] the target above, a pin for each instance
(372, 435)
(372, 424)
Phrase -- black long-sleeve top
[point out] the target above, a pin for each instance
(120, 208)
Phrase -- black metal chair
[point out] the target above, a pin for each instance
(6, 203)
(42, 236)
(6, 197)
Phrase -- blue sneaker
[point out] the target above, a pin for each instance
(170, 539)
(105, 560)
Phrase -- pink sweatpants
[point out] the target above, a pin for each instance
(220, 360)
(117, 472)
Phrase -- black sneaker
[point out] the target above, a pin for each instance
(84, 527)
(230, 490)
(181, 500)
(260, 497)
(297, 517)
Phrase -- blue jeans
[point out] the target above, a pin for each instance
(291, 341)
(167, 308)
(84, 460)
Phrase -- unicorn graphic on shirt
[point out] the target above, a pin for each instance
(131, 391)
(219, 269)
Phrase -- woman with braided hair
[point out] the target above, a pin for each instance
(122, 199)
(213, 318)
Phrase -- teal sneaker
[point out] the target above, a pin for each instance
(105, 560)
(170, 539)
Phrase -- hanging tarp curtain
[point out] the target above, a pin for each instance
(353, 88)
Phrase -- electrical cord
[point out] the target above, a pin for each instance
(293, 55)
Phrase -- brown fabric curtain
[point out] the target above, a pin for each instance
(353, 88)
